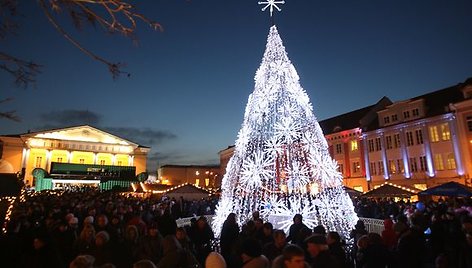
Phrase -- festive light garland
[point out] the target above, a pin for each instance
(281, 164)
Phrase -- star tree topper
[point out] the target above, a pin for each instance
(271, 4)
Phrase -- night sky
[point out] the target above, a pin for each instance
(189, 84)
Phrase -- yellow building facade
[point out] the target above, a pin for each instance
(201, 176)
(75, 145)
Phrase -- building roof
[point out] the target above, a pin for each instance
(360, 118)
(391, 190)
(437, 102)
(72, 128)
(449, 189)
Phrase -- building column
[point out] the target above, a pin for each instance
(362, 153)
(428, 152)
(347, 160)
(25, 158)
(69, 156)
(384, 156)
(95, 156)
(366, 159)
(113, 159)
(131, 160)
(406, 164)
(456, 146)
(48, 160)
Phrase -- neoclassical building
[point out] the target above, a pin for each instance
(419, 142)
(79, 154)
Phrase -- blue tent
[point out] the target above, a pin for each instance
(449, 189)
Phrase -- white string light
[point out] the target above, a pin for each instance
(281, 164)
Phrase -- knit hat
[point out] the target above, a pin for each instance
(215, 260)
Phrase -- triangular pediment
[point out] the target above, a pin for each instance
(83, 133)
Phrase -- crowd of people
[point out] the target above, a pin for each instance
(107, 229)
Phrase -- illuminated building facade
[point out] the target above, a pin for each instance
(420, 142)
(423, 141)
(344, 136)
(73, 154)
(201, 176)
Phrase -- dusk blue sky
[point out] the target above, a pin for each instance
(189, 84)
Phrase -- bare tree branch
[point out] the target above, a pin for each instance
(115, 16)
(23, 71)
(118, 16)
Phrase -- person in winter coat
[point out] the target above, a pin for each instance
(229, 234)
(150, 245)
(175, 256)
(389, 238)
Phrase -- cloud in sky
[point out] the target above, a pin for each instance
(144, 136)
(71, 117)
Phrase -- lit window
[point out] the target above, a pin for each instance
(445, 133)
(420, 186)
(451, 161)
(120, 163)
(381, 168)
(81, 161)
(354, 145)
(356, 167)
(39, 160)
(359, 188)
(59, 159)
(433, 132)
(197, 182)
(438, 162)
(400, 166)
(102, 162)
(392, 167)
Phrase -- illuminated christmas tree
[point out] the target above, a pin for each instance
(281, 164)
